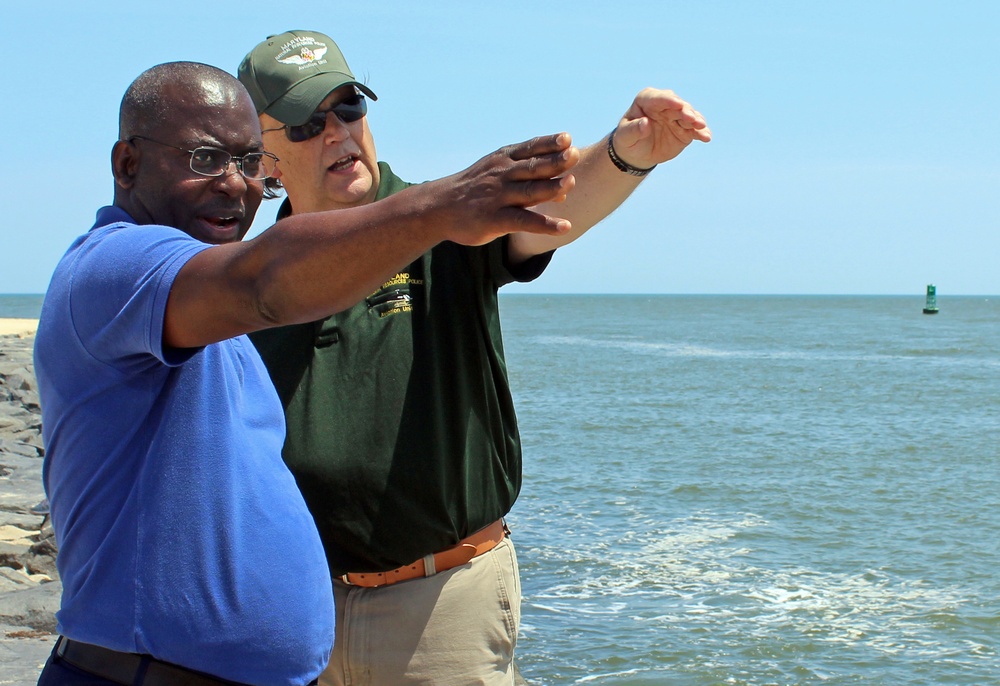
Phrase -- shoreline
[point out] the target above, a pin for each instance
(20, 327)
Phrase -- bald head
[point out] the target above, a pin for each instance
(155, 97)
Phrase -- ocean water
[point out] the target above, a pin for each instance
(742, 490)
(20, 306)
(757, 490)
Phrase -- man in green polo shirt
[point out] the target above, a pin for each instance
(401, 429)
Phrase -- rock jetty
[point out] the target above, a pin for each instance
(29, 583)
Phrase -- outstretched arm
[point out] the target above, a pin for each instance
(656, 128)
(311, 265)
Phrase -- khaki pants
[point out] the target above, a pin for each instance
(458, 627)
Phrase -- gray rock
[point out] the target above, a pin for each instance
(41, 558)
(23, 521)
(22, 654)
(15, 579)
(17, 460)
(10, 425)
(29, 585)
(33, 607)
(17, 447)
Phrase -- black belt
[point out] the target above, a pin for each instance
(124, 668)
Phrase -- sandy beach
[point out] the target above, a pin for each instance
(17, 326)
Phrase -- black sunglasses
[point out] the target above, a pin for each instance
(350, 110)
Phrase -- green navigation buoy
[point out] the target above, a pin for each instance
(930, 305)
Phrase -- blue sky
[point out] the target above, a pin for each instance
(856, 143)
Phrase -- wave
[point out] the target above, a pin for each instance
(700, 581)
(951, 355)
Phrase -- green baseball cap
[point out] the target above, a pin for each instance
(290, 74)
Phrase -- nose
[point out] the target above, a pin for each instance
(231, 181)
(335, 131)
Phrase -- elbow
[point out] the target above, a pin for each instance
(269, 295)
(267, 312)
(279, 299)
(270, 303)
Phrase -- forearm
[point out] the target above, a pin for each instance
(322, 263)
(303, 268)
(656, 128)
(600, 189)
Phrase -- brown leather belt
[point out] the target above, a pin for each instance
(123, 668)
(469, 547)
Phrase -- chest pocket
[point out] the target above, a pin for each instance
(386, 302)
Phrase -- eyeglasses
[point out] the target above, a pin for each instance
(350, 110)
(209, 161)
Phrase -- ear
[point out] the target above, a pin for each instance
(125, 158)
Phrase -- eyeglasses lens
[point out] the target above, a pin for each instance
(209, 162)
(348, 111)
(213, 162)
(253, 166)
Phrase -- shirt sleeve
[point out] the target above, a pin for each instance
(121, 281)
(503, 272)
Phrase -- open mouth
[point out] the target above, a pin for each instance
(222, 222)
(343, 164)
(220, 228)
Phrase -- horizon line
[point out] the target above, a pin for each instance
(919, 294)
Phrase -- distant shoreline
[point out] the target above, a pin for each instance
(26, 307)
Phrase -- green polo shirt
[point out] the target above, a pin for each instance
(401, 427)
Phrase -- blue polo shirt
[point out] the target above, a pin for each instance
(181, 533)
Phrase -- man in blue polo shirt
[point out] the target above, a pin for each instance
(187, 553)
